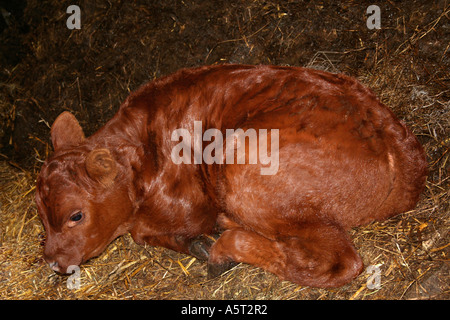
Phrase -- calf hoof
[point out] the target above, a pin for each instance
(199, 247)
(217, 269)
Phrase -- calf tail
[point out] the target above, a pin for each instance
(408, 167)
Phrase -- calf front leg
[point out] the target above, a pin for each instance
(173, 242)
(317, 255)
(192, 239)
(197, 247)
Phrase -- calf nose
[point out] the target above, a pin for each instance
(54, 266)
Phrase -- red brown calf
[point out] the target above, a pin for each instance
(342, 160)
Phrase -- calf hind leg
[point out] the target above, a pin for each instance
(317, 255)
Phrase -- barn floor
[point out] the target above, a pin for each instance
(46, 68)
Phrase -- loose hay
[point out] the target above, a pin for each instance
(407, 64)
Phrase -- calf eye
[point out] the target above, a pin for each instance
(76, 217)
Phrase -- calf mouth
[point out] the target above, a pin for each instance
(63, 270)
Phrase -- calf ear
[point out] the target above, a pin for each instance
(66, 131)
(101, 166)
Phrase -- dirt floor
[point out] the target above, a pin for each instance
(47, 68)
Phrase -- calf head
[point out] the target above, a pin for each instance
(82, 197)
